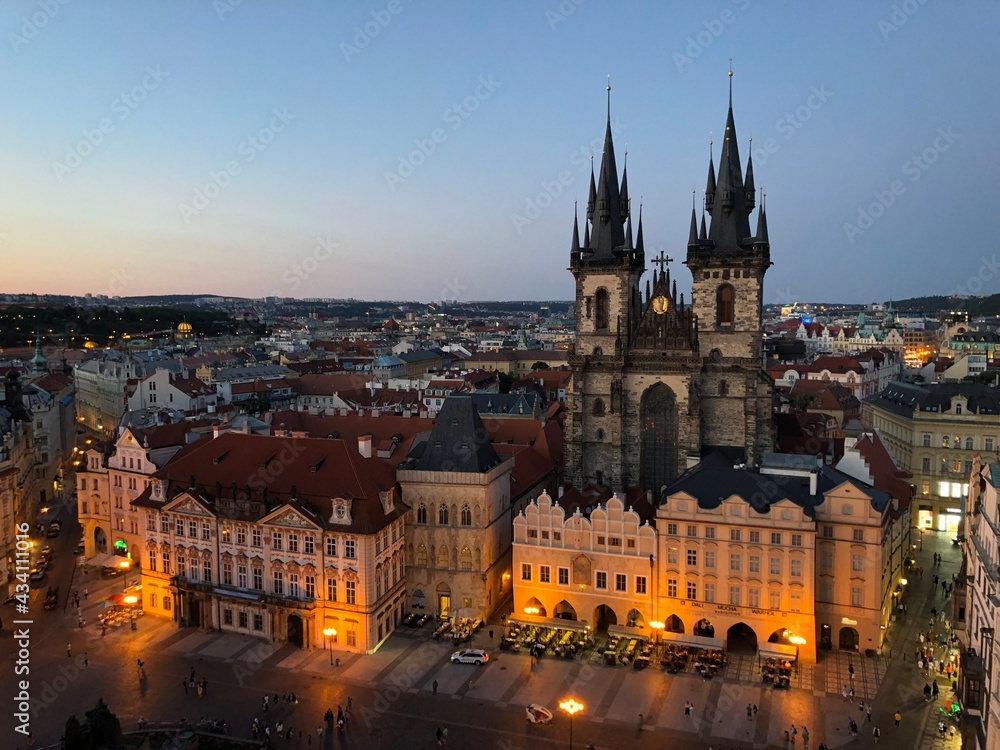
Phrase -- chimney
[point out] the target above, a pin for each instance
(813, 480)
(221, 429)
(561, 491)
(365, 445)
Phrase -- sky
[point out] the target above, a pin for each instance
(417, 150)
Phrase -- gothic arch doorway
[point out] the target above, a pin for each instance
(658, 437)
(603, 617)
(741, 639)
(674, 624)
(849, 639)
(704, 628)
(295, 630)
(535, 607)
(564, 610)
(100, 540)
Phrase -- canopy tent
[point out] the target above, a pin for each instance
(778, 651)
(693, 641)
(625, 631)
(107, 561)
(549, 622)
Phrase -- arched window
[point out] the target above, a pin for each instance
(603, 309)
(968, 444)
(600, 434)
(658, 437)
(466, 559)
(723, 388)
(442, 557)
(724, 305)
(598, 410)
(421, 513)
(443, 515)
(466, 515)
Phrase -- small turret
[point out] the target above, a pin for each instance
(623, 201)
(710, 187)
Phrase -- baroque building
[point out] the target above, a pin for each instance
(658, 383)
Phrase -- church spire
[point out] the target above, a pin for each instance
(693, 234)
(761, 236)
(39, 364)
(628, 234)
(639, 248)
(748, 186)
(703, 235)
(575, 247)
(623, 201)
(591, 201)
(710, 187)
(609, 230)
(731, 226)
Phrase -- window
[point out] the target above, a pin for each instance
(925, 488)
(640, 585)
(710, 532)
(563, 574)
(351, 592)
(709, 592)
(735, 562)
(857, 597)
(206, 532)
(602, 580)
(672, 529)
(692, 557)
(179, 527)
(598, 408)
(796, 540)
(672, 587)
(775, 600)
(466, 515)
(755, 563)
(168, 602)
(692, 590)
(241, 535)
(331, 546)
(927, 441)
(258, 623)
(227, 571)
(349, 549)
(421, 513)
(241, 576)
(857, 563)
(603, 306)
(258, 578)
(255, 537)
(828, 532)
(621, 582)
(776, 537)
(988, 444)
(193, 529)
(277, 540)
(692, 530)
(309, 544)
(968, 444)
(754, 537)
(152, 560)
(734, 596)
(710, 558)
(858, 535)
(533, 534)
(735, 535)
(826, 559)
(293, 542)
(443, 515)
(557, 536)
(150, 522)
(945, 443)
(164, 525)
(724, 305)
(181, 565)
(293, 585)
(206, 568)
(615, 541)
(166, 562)
(544, 574)
(227, 617)
(331, 589)
(525, 571)
(774, 566)
(671, 555)
(795, 566)
(753, 597)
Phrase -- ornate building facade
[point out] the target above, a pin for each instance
(658, 383)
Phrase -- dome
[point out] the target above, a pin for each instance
(90, 345)
(184, 327)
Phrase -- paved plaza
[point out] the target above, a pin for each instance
(393, 690)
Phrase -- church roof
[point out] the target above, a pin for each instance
(458, 442)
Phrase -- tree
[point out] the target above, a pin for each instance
(539, 366)
(506, 381)
(73, 738)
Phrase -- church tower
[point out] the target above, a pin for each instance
(727, 265)
(607, 267)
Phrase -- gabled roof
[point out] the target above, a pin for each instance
(457, 444)
(905, 398)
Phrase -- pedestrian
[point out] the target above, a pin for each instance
(104, 630)
(191, 678)
(350, 703)
(434, 687)
(319, 732)
(805, 737)
(935, 689)
(279, 727)
(869, 712)
(204, 685)
(69, 651)
(792, 733)
(185, 684)
(852, 695)
(843, 692)
(876, 733)
(86, 593)
(687, 708)
(491, 636)
(897, 717)
(86, 661)
(749, 713)
(440, 736)
(754, 709)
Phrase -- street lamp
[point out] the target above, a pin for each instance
(531, 610)
(571, 706)
(131, 600)
(330, 633)
(657, 627)
(124, 565)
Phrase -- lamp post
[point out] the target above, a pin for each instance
(124, 565)
(131, 600)
(657, 627)
(330, 633)
(571, 706)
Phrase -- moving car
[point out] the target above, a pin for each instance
(470, 656)
(51, 599)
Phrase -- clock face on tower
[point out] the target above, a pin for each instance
(660, 304)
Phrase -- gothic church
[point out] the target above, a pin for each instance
(658, 383)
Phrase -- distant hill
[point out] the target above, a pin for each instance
(975, 306)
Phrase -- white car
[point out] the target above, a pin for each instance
(470, 656)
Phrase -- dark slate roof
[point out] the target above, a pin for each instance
(422, 355)
(458, 442)
(715, 479)
(905, 398)
(504, 403)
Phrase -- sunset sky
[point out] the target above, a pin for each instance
(434, 150)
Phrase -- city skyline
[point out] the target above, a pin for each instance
(393, 151)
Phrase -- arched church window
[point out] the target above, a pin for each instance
(724, 305)
(600, 434)
(421, 558)
(421, 513)
(598, 410)
(658, 437)
(723, 388)
(603, 309)
(466, 515)
(443, 515)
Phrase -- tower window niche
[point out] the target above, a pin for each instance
(598, 410)
(724, 305)
(602, 304)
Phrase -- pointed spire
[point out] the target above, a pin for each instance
(673, 291)
(586, 234)
(592, 200)
(761, 237)
(710, 187)
(609, 223)
(703, 234)
(575, 247)
(623, 201)
(639, 248)
(628, 234)
(647, 289)
(693, 234)
(730, 228)
(39, 364)
(748, 187)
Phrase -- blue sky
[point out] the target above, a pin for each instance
(434, 150)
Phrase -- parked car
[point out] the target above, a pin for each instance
(36, 574)
(80, 548)
(470, 656)
(46, 552)
(53, 531)
(51, 599)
